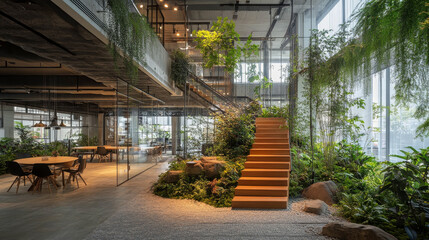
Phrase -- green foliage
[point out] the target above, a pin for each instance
(10, 148)
(85, 140)
(179, 67)
(407, 181)
(235, 130)
(218, 193)
(395, 33)
(274, 111)
(129, 33)
(221, 45)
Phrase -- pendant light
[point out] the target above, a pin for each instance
(39, 124)
(62, 124)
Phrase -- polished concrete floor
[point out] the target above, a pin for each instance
(103, 211)
(66, 213)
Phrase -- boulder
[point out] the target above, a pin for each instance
(213, 169)
(353, 231)
(194, 168)
(315, 206)
(173, 176)
(324, 191)
(209, 159)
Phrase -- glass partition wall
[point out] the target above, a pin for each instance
(134, 153)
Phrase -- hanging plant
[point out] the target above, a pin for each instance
(129, 34)
(179, 67)
(396, 33)
(221, 45)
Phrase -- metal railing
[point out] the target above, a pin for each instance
(208, 93)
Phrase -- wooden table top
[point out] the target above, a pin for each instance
(51, 160)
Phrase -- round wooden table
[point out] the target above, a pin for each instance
(49, 161)
(60, 160)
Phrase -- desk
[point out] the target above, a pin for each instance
(109, 148)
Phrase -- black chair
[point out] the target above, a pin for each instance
(102, 154)
(42, 171)
(77, 171)
(15, 169)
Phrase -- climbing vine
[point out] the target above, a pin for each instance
(128, 33)
(221, 45)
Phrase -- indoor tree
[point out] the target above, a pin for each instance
(221, 45)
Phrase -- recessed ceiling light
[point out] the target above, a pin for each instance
(141, 5)
(166, 5)
(187, 29)
(175, 8)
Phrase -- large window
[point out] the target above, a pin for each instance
(333, 18)
(30, 116)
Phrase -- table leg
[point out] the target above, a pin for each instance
(62, 173)
(92, 156)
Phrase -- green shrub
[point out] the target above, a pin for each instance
(235, 130)
(218, 193)
(275, 111)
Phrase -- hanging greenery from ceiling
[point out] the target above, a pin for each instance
(393, 32)
(221, 45)
(129, 34)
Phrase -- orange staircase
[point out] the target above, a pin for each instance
(264, 182)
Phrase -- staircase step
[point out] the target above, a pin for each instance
(263, 172)
(270, 165)
(271, 140)
(270, 125)
(272, 130)
(269, 151)
(272, 135)
(263, 181)
(273, 191)
(270, 120)
(268, 158)
(271, 145)
(259, 202)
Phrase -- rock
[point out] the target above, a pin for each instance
(213, 169)
(315, 206)
(353, 231)
(194, 168)
(324, 191)
(173, 176)
(209, 159)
